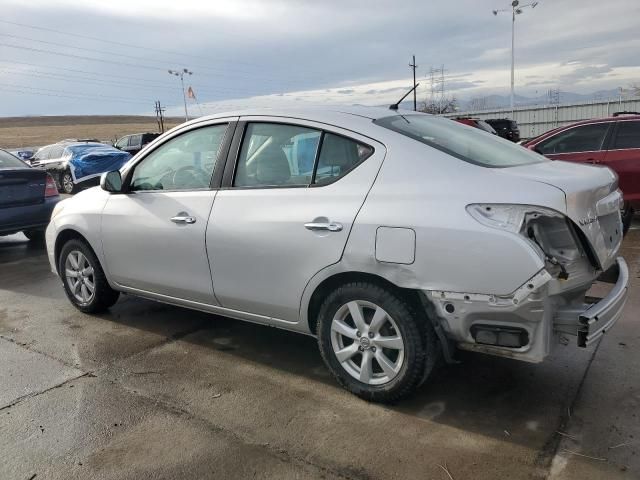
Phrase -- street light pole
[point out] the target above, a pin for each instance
(516, 9)
(181, 73)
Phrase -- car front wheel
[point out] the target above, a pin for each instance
(83, 278)
(374, 343)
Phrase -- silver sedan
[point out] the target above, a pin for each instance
(394, 238)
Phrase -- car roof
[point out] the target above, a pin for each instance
(562, 128)
(317, 113)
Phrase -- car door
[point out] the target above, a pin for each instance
(623, 157)
(153, 234)
(582, 143)
(285, 211)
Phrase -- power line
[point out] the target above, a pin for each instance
(106, 97)
(18, 90)
(163, 62)
(81, 57)
(77, 35)
(96, 81)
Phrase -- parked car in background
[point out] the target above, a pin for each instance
(476, 123)
(27, 198)
(505, 128)
(134, 143)
(344, 225)
(78, 165)
(23, 154)
(613, 142)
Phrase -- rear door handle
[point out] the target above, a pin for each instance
(183, 218)
(330, 226)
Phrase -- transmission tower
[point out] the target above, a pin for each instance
(436, 79)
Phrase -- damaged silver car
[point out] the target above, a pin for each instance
(394, 238)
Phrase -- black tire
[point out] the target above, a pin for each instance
(421, 350)
(66, 183)
(36, 236)
(103, 296)
(627, 218)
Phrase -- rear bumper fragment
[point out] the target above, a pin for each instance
(601, 316)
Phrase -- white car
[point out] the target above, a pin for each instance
(394, 238)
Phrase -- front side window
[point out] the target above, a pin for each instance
(185, 162)
(585, 138)
(123, 142)
(42, 154)
(470, 145)
(628, 135)
(338, 155)
(276, 154)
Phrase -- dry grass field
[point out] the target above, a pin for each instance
(16, 132)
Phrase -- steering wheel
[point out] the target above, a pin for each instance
(191, 176)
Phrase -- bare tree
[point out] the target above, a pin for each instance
(445, 105)
(635, 89)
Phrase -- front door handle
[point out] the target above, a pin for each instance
(330, 226)
(183, 218)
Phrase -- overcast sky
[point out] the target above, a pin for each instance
(111, 57)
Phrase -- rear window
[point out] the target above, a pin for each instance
(471, 145)
(9, 161)
(628, 135)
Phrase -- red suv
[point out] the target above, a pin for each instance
(613, 142)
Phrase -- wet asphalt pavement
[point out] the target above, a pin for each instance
(155, 391)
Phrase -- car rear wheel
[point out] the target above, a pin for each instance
(374, 343)
(83, 278)
(66, 183)
(34, 235)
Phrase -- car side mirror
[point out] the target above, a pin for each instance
(111, 181)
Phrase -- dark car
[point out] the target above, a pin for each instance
(77, 165)
(27, 197)
(134, 143)
(476, 123)
(505, 128)
(613, 142)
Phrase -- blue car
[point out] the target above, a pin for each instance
(27, 198)
(74, 165)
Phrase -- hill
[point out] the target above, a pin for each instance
(17, 132)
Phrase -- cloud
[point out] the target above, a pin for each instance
(331, 51)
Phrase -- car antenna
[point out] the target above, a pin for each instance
(397, 104)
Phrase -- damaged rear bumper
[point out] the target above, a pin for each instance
(524, 324)
(601, 316)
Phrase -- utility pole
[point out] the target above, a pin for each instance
(516, 9)
(160, 116)
(413, 67)
(181, 74)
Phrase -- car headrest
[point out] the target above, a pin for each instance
(272, 166)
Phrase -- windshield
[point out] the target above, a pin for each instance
(469, 144)
(9, 161)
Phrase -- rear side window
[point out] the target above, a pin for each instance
(470, 145)
(628, 136)
(338, 155)
(585, 138)
(56, 151)
(9, 161)
(275, 154)
(134, 140)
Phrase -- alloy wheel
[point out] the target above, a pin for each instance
(67, 183)
(80, 277)
(367, 342)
